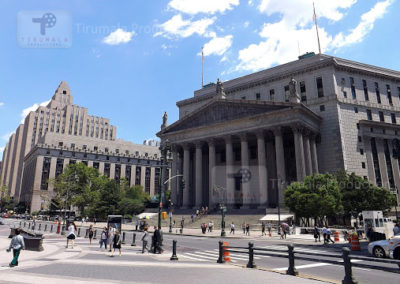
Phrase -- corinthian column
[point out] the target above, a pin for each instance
(186, 176)
(262, 170)
(199, 175)
(244, 150)
(280, 164)
(211, 174)
(230, 182)
(299, 148)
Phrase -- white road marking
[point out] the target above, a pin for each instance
(303, 266)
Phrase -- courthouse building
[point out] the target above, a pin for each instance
(62, 133)
(242, 142)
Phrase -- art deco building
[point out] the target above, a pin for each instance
(243, 142)
(62, 133)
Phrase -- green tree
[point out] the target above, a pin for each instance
(77, 186)
(317, 197)
(109, 197)
(5, 198)
(359, 195)
(133, 199)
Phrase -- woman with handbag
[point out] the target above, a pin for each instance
(116, 243)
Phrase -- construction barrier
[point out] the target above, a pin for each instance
(164, 215)
(355, 243)
(225, 252)
(336, 236)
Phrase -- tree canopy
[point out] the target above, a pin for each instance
(96, 195)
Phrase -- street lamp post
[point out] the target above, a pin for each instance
(223, 210)
(164, 148)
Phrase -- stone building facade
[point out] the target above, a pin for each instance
(62, 133)
(243, 142)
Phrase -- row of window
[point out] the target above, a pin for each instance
(381, 115)
(366, 93)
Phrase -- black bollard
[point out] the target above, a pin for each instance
(24, 224)
(20, 224)
(45, 227)
(40, 227)
(79, 232)
(174, 257)
(29, 226)
(123, 238)
(348, 277)
(133, 240)
(251, 263)
(51, 229)
(291, 269)
(220, 252)
(95, 234)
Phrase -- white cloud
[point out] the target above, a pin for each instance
(366, 25)
(279, 40)
(118, 36)
(179, 27)
(218, 45)
(1, 151)
(193, 7)
(246, 24)
(33, 107)
(7, 136)
(1, 104)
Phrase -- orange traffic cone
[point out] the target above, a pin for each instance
(355, 243)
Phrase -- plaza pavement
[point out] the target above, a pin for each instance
(87, 264)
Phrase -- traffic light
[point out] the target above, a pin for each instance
(183, 183)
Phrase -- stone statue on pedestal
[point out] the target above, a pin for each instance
(294, 97)
(220, 90)
(165, 119)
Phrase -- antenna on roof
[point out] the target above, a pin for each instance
(298, 47)
(316, 28)
(202, 67)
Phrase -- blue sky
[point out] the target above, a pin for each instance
(132, 60)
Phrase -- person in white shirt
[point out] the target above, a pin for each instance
(111, 232)
(71, 234)
(17, 244)
(324, 232)
(232, 228)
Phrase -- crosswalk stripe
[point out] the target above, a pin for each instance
(198, 259)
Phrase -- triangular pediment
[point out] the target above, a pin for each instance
(223, 110)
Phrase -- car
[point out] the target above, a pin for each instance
(382, 249)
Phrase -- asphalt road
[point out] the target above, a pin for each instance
(203, 251)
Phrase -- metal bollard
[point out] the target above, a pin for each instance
(348, 277)
(220, 250)
(24, 224)
(51, 229)
(20, 224)
(79, 232)
(251, 263)
(29, 225)
(40, 227)
(174, 257)
(123, 238)
(95, 234)
(45, 227)
(291, 269)
(133, 240)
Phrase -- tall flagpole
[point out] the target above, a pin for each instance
(316, 28)
(202, 67)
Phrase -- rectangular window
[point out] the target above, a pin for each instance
(362, 151)
(138, 175)
(243, 98)
(381, 117)
(320, 87)
(356, 109)
(378, 94)
(345, 94)
(393, 116)
(322, 108)
(287, 93)
(157, 178)
(128, 170)
(359, 139)
(272, 94)
(45, 174)
(369, 114)
(388, 163)
(117, 173)
(147, 180)
(375, 159)
(303, 91)
(389, 94)
(96, 165)
(363, 165)
(258, 96)
(107, 170)
(353, 88)
(59, 167)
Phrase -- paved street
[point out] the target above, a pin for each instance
(85, 262)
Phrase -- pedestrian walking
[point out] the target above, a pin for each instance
(210, 227)
(192, 217)
(91, 233)
(203, 228)
(17, 244)
(111, 232)
(317, 234)
(136, 224)
(158, 239)
(71, 234)
(269, 227)
(247, 229)
(104, 238)
(244, 227)
(116, 243)
(324, 231)
(145, 240)
(94, 220)
(263, 229)
(232, 228)
(328, 235)
(284, 230)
